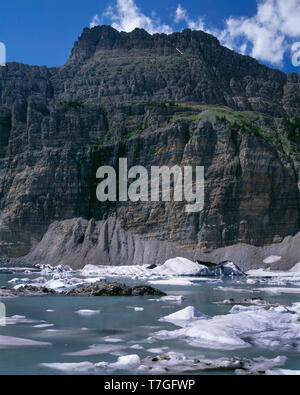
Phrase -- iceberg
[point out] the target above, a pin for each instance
(243, 327)
(183, 317)
(182, 267)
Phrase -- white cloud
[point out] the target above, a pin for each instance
(126, 16)
(95, 21)
(267, 34)
(182, 15)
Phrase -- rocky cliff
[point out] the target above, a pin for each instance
(134, 95)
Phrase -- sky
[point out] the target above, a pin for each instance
(42, 32)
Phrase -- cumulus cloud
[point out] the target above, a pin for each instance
(181, 15)
(95, 21)
(126, 16)
(268, 34)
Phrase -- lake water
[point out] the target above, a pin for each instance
(118, 325)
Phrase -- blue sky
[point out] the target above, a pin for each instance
(42, 32)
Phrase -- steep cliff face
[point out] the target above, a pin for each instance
(134, 95)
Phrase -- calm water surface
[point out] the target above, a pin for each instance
(72, 332)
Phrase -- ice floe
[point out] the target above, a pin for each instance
(228, 269)
(173, 299)
(158, 350)
(137, 347)
(20, 319)
(42, 326)
(112, 340)
(138, 309)
(12, 342)
(278, 290)
(184, 281)
(182, 267)
(97, 349)
(88, 313)
(268, 277)
(175, 269)
(126, 362)
(81, 367)
(243, 327)
(245, 302)
(283, 372)
(182, 317)
(172, 362)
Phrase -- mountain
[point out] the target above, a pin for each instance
(179, 99)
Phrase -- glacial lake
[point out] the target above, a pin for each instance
(117, 324)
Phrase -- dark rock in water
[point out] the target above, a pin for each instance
(151, 267)
(99, 289)
(27, 290)
(114, 289)
(145, 290)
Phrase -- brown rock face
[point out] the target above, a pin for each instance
(133, 95)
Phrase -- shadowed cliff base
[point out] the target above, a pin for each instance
(79, 242)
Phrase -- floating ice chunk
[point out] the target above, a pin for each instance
(279, 291)
(158, 350)
(178, 363)
(283, 372)
(17, 281)
(245, 326)
(116, 271)
(184, 282)
(8, 342)
(245, 302)
(139, 309)
(137, 347)
(172, 267)
(172, 299)
(183, 317)
(127, 362)
(228, 269)
(56, 285)
(41, 326)
(112, 340)
(232, 289)
(97, 349)
(182, 267)
(173, 281)
(81, 367)
(88, 312)
(272, 259)
(20, 319)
